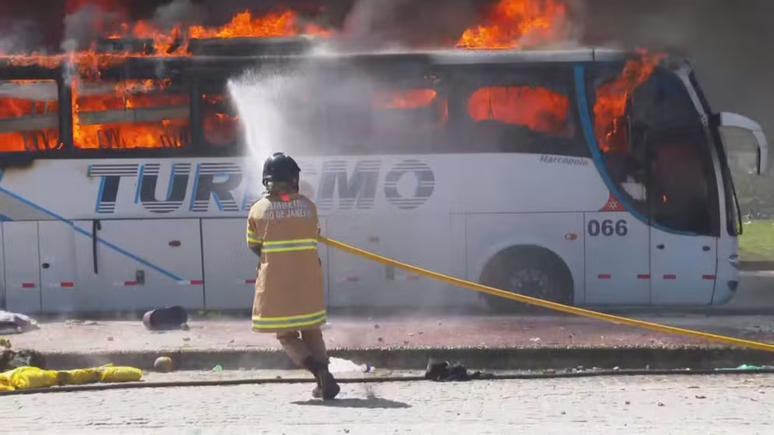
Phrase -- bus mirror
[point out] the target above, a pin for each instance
(744, 140)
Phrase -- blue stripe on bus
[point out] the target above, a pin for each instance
(139, 184)
(591, 141)
(88, 234)
(101, 190)
(4, 218)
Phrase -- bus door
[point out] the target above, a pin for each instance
(683, 249)
(682, 192)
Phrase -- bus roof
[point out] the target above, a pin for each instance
(225, 54)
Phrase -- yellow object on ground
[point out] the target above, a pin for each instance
(25, 378)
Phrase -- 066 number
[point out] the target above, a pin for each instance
(607, 228)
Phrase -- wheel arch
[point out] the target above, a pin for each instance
(529, 249)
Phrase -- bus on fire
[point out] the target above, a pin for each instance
(588, 177)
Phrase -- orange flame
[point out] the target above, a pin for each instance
(610, 105)
(219, 127)
(510, 21)
(137, 95)
(17, 107)
(408, 99)
(129, 95)
(540, 109)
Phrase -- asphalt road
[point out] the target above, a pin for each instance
(632, 405)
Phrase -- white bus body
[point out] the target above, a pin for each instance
(98, 230)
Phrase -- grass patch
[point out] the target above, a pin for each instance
(757, 242)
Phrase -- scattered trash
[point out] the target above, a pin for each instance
(534, 339)
(660, 404)
(13, 359)
(110, 339)
(14, 323)
(627, 403)
(442, 371)
(701, 397)
(25, 378)
(741, 367)
(72, 322)
(186, 338)
(163, 364)
(218, 368)
(376, 326)
(339, 365)
(168, 318)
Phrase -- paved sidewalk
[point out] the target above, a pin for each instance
(349, 333)
(503, 343)
(717, 405)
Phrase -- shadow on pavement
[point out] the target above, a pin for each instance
(372, 403)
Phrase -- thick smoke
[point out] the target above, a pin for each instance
(183, 12)
(87, 24)
(378, 24)
(729, 44)
(21, 36)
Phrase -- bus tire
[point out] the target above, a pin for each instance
(530, 271)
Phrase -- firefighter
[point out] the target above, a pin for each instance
(282, 229)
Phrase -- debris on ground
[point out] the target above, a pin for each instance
(11, 359)
(164, 319)
(28, 377)
(15, 323)
(163, 364)
(749, 367)
(442, 371)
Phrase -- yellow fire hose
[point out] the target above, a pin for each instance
(546, 304)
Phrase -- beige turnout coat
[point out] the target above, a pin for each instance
(289, 282)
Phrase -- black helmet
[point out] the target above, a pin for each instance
(280, 167)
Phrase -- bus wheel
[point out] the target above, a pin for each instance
(529, 271)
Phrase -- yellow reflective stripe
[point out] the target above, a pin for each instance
(296, 248)
(284, 242)
(288, 322)
(299, 316)
(293, 325)
(250, 232)
(253, 240)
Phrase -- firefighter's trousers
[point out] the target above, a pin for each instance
(299, 345)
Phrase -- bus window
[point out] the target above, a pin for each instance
(518, 110)
(349, 111)
(219, 119)
(29, 115)
(130, 114)
(538, 109)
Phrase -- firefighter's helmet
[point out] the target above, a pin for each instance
(280, 167)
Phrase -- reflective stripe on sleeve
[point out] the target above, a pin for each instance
(290, 245)
(289, 322)
(252, 238)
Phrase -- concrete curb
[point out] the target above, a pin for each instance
(661, 358)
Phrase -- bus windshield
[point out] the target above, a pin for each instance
(657, 153)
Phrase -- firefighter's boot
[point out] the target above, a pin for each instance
(327, 388)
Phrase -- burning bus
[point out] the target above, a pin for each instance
(583, 176)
